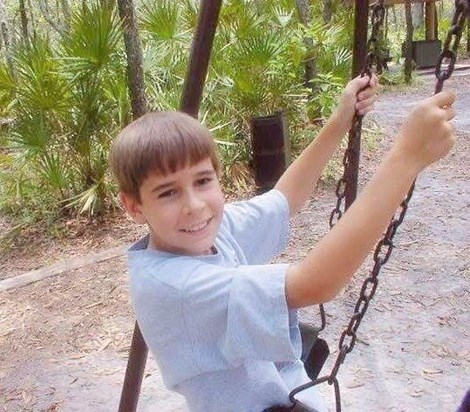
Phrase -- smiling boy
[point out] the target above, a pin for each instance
(221, 321)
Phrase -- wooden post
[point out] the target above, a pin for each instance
(192, 94)
(430, 20)
(200, 56)
(361, 23)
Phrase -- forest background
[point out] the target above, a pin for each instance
(64, 93)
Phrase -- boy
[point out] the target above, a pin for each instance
(221, 322)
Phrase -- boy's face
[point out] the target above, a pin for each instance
(183, 209)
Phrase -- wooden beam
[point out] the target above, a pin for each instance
(430, 20)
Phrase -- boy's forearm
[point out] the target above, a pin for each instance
(329, 266)
(300, 179)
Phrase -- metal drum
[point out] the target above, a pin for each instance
(271, 154)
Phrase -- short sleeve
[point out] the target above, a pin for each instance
(260, 225)
(240, 314)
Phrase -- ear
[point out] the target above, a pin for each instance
(133, 208)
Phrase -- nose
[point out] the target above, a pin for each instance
(192, 202)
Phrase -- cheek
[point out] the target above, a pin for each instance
(162, 217)
(218, 202)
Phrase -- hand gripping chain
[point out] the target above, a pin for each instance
(384, 247)
(372, 59)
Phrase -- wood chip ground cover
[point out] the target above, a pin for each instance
(64, 339)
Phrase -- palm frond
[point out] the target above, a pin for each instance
(160, 19)
(31, 135)
(93, 40)
(40, 87)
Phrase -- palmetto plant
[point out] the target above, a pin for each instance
(68, 96)
(68, 99)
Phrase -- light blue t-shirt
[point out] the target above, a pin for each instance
(218, 325)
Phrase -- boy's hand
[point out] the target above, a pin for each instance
(427, 135)
(358, 97)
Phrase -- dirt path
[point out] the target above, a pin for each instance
(64, 340)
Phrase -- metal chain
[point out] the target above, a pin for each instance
(451, 43)
(372, 58)
(384, 247)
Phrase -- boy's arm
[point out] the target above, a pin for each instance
(299, 180)
(425, 137)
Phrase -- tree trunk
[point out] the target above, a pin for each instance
(327, 11)
(468, 37)
(5, 33)
(135, 71)
(408, 42)
(305, 16)
(24, 21)
(67, 13)
(47, 14)
(430, 16)
(32, 19)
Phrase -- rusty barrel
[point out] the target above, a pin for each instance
(270, 145)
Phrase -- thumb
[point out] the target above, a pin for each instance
(443, 99)
(359, 83)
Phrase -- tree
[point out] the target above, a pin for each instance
(468, 37)
(305, 16)
(5, 33)
(24, 21)
(67, 13)
(47, 13)
(327, 10)
(408, 42)
(135, 71)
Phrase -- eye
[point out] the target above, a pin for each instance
(204, 181)
(167, 193)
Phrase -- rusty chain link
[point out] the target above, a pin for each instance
(372, 59)
(451, 43)
(385, 245)
(374, 55)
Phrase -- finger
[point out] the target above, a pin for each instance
(363, 104)
(363, 81)
(373, 88)
(366, 110)
(367, 93)
(449, 130)
(450, 113)
(444, 98)
(374, 81)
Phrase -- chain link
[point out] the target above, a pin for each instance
(374, 55)
(451, 44)
(372, 59)
(384, 247)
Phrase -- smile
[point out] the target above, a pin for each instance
(197, 227)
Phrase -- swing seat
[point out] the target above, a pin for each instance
(315, 350)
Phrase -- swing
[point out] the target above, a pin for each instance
(314, 349)
(384, 247)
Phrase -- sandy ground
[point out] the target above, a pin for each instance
(64, 340)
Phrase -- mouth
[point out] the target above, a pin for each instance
(198, 227)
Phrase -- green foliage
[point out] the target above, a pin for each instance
(66, 101)
(67, 95)
(92, 43)
(328, 88)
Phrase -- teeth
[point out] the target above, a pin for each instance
(197, 228)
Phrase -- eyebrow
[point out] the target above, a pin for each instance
(202, 173)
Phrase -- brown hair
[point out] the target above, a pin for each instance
(159, 142)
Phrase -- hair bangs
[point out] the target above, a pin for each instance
(162, 143)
